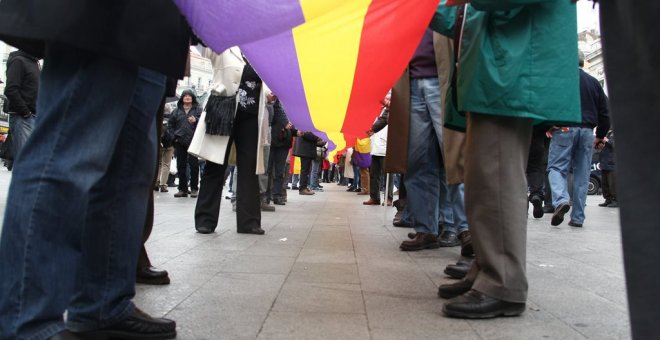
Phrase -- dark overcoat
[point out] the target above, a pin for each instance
(148, 33)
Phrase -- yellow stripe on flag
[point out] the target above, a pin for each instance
(328, 87)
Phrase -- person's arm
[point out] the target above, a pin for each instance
(381, 121)
(13, 88)
(444, 20)
(603, 114)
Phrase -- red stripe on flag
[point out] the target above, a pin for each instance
(391, 32)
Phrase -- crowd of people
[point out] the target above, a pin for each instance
(485, 121)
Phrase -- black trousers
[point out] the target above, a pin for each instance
(375, 172)
(608, 180)
(305, 168)
(248, 205)
(276, 167)
(184, 160)
(537, 162)
(632, 59)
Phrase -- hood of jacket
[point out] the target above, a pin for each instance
(20, 54)
(179, 104)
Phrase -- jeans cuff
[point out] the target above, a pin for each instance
(49, 331)
(92, 325)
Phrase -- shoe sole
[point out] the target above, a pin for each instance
(108, 335)
(538, 208)
(422, 247)
(156, 282)
(558, 216)
(509, 312)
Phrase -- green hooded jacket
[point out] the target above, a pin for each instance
(518, 58)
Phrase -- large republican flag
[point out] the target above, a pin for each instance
(329, 61)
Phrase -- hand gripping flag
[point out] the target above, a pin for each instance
(329, 61)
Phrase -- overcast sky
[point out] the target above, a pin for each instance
(587, 16)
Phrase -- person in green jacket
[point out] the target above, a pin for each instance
(516, 68)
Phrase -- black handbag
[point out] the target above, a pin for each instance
(220, 115)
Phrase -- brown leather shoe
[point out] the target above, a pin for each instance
(420, 242)
(306, 191)
(371, 201)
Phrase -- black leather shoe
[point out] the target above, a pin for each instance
(255, 231)
(537, 203)
(152, 276)
(466, 243)
(420, 242)
(558, 216)
(452, 290)
(476, 305)
(65, 335)
(278, 202)
(613, 204)
(548, 209)
(400, 223)
(448, 239)
(205, 230)
(604, 204)
(573, 224)
(460, 269)
(138, 325)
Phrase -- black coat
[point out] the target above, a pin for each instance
(178, 126)
(280, 136)
(607, 154)
(306, 145)
(22, 83)
(149, 33)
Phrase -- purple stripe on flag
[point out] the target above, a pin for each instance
(222, 24)
(276, 61)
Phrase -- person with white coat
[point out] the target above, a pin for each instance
(378, 135)
(235, 113)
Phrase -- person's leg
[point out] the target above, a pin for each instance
(314, 175)
(21, 128)
(110, 241)
(423, 176)
(181, 152)
(375, 171)
(207, 208)
(633, 86)
(68, 156)
(559, 162)
(605, 186)
(581, 172)
(278, 158)
(166, 161)
(535, 164)
(497, 147)
(263, 178)
(193, 161)
(248, 205)
(364, 181)
(305, 165)
(611, 180)
(71, 155)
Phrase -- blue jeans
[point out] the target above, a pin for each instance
(452, 208)
(424, 158)
(76, 206)
(314, 176)
(20, 128)
(356, 177)
(570, 150)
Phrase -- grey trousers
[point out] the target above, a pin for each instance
(496, 203)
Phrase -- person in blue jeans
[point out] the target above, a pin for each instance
(76, 207)
(571, 149)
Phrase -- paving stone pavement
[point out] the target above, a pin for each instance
(330, 268)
